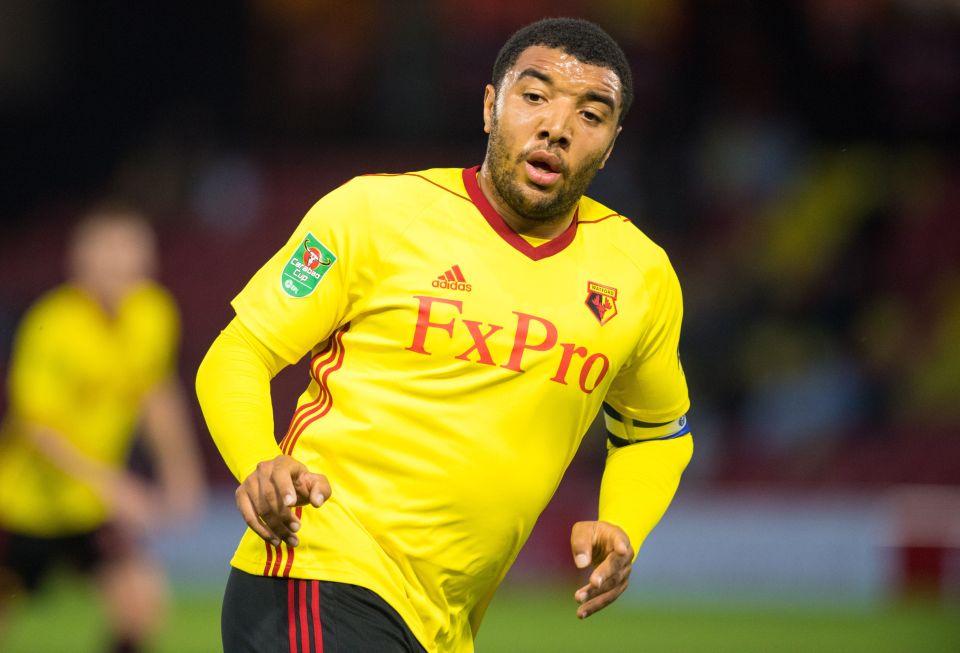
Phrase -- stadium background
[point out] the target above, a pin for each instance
(797, 159)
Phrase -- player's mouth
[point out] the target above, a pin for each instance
(543, 168)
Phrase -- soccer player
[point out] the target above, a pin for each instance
(93, 360)
(464, 327)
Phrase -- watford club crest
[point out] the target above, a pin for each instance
(602, 301)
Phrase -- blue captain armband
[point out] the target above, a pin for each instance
(622, 430)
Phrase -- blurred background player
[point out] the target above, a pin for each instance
(93, 365)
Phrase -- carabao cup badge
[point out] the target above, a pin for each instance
(306, 267)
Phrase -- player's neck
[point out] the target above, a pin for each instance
(546, 229)
(102, 299)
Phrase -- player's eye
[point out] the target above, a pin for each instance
(592, 117)
(532, 97)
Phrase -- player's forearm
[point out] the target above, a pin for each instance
(233, 386)
(173, 445)
(639, 482)
(70, 460)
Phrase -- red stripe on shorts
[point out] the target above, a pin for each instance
(317, 628)
(304, 626)
(291, 617)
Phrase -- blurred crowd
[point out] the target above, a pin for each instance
(797, 159)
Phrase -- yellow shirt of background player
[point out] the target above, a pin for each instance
(81, 373)
(455, 368)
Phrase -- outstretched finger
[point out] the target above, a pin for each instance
(312, 488)
(582, 540)
(249, 514)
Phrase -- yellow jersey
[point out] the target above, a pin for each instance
(454, 368)
(82, 373)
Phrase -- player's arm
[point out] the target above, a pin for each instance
(172, 443)
(298, 298)
(649, 447)
(129, 500)
(639, 481)
(233, 386)
(643, 469)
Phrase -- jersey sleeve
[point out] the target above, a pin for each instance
(312, 285)
(648, 399)
(233, 387)
(37, 367)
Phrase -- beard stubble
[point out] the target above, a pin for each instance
(549, 208)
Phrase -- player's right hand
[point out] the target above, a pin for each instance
(131, 502)
(267, 496)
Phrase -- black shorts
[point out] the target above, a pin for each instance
(262, 614)
(25, 560)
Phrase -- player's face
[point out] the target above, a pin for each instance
(552, 125)
(112, 257)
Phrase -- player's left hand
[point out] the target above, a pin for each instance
(607, 548)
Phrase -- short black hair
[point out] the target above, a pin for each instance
(575, 36)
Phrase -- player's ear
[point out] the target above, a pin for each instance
(610, 148)
(489, 98)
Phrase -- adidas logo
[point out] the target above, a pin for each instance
(452, 279)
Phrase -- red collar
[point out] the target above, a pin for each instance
(500, 225)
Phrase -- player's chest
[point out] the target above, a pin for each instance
(102, 361)
(461, 299)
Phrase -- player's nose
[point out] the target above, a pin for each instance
(556, 125)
